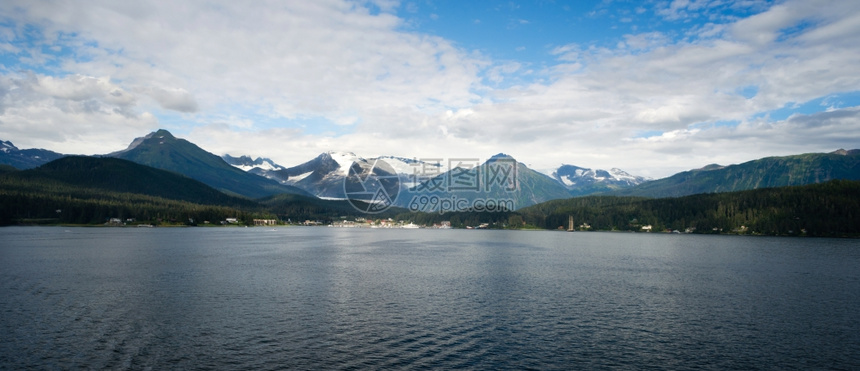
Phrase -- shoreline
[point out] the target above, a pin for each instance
(137, 226)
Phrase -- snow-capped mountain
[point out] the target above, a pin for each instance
(25, 158)
(403, 166)
(582, 181)
(7, 147)
(260, 166)
(324, 175)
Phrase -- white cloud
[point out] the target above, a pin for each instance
(644, 41)
(764, 28)
(319, 56)
(497, 73)
(175, 99)
(80, 88)
(74, 114)
(567, 53)
(385, 90)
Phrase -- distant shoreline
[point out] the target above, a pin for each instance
(173, 226)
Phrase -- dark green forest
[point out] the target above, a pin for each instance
(826, 209)
(299, 208)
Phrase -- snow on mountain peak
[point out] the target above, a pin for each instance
(413, 166)
(266, 164)
(344, 160)
(6, 147)
(245, 163)
(402, 165)
(574, 176)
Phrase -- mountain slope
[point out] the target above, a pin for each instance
(767, 172)
(322, 176)
(162, 150)
(26, 158)
(117, 175)
(325, 175)
(501, 183)
(85, 190)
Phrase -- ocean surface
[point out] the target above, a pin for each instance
(348, 299)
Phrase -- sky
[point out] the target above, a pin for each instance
(650, 87)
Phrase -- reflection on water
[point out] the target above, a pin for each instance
(329, 298)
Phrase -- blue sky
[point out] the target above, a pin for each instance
(529, 31)
(651, 87)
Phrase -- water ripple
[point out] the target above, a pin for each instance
(313, 298)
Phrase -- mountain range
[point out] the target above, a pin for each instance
(25, 158)
(499, 184)
(104, 190)
(499, 178)
(324, 175)
(162, 150)
(93, 190)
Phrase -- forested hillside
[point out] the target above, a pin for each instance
(768, 172)
(826, 209)
(85, 190)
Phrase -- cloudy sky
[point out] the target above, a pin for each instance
(651, 87)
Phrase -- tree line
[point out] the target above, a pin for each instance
(826, 209)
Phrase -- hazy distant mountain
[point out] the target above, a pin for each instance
(501, 181)
(316, 168)
(767, 172)
(260, 166)
(581, 181)
(162, 150)
(26, 158)
(324, 175)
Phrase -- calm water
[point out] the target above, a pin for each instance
(330, 298)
